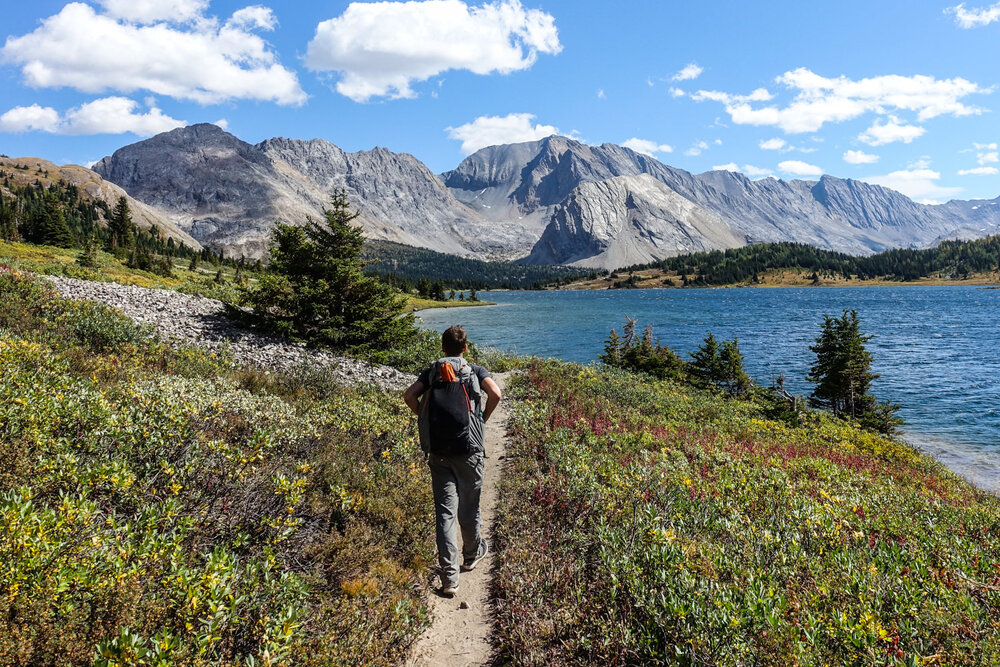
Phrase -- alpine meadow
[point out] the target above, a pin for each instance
(499, 332)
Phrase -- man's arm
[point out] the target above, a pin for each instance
(412, 396)
(493, 397)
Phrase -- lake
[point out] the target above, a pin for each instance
(936, 348)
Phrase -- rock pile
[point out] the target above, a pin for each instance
(196, 320)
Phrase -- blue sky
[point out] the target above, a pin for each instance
(899, 93)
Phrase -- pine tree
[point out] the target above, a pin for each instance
(121, 228)
(49, 225)
(315, 288)
(193, 266)
(734, 378)
(88, 258)
(843, 377)
(706, 362)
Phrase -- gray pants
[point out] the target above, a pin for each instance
(457, 482)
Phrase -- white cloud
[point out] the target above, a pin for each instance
(25, 119)
(756, 172)
(775, 144)
(109, 115)
(918, 181)
(859, 157)
(381, 48)
(253, 18)
(972, 18)
(205, 62)
(889, 131)
(819, 100)
(677, 92)
(979, 171)
(800, 168)
(493, 130)
(748, 169)
(153, 11)
(689, 72)
(647, 147)
(697, 149)
(600, 94)
(223, 123)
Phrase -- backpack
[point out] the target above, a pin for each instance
(449, 420)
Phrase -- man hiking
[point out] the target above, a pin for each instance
(448, 400)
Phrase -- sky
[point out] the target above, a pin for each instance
(902, 93)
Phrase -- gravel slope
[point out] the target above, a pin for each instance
(202, 322)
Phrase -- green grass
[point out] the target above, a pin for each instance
(164, 507)
(49, 260)
(415, 303)
(644, 522)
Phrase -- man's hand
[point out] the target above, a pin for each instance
(493, 397)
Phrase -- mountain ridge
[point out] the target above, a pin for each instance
(518, 201)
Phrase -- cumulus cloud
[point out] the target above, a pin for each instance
(697, 149)
(748, 169)
(493, 130)
(26, 119)
(677, 92)
(987, 153)
(689, 72)
(206, 62)
(647, 147)
(859, 157)
(973, 18)
(918, 181)
(979, 171)
(819, 100)
(380, 48)
(109, 115)
(152, 11)
(890, 131)
(800, 168)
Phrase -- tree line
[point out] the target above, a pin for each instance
(955, 259)
(405, 266)
(841, 370)
(57, 215)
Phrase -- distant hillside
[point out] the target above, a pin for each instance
(410, 264)
(950, 260)
(85, 188)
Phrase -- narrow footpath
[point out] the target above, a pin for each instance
(460, 636)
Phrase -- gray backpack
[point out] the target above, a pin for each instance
(450, 419)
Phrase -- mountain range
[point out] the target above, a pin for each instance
(552, 201)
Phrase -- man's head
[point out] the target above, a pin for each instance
(453, 341)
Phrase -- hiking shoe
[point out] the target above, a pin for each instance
(449, 591)
(470, 563)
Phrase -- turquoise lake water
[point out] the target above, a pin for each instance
(936, 348)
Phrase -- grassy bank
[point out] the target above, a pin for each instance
(415, 303)
(645, 522)
(792, 277)
(162, 507)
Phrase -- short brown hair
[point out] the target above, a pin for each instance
(453, 341)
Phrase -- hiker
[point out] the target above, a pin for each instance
(448, 399)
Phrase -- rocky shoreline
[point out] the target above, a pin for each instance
(200, 321)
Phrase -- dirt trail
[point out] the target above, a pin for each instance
(460, 636)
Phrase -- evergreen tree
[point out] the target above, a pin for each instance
(734, 378)
(315, 287)
(88, 258)
(49, 225)
(706, 362)
(121, 228)
(193, 266)
(843, 377)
